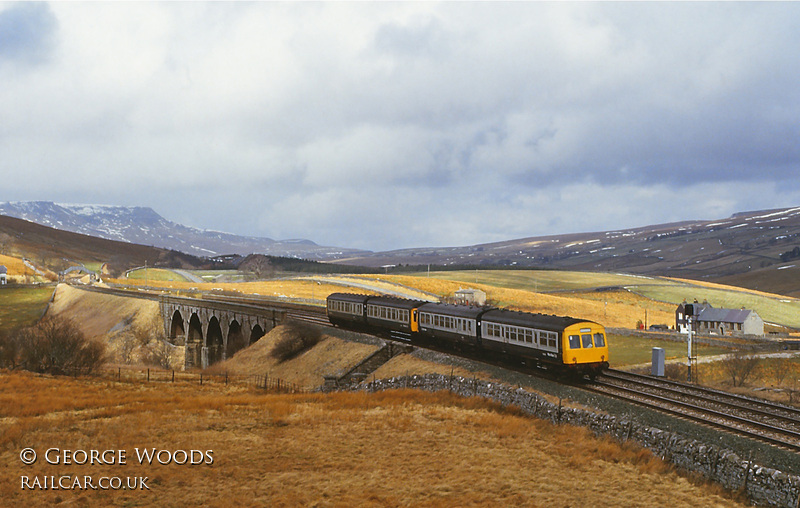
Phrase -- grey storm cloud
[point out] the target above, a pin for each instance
(388, 125)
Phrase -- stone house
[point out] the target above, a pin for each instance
(3, 274)
(708, 320)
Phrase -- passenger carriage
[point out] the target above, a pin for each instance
(347, 309)
(555, 340)
(394, 314)
(455, 323)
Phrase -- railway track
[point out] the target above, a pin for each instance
(763, 420)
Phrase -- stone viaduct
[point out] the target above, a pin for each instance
(213, 331)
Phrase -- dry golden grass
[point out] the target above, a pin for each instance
(15, 266)
(623, 309)
(776, 379)
(331, 356)
(404, 364)
(301, 288)
(724, 287)
(96, 314)
(399, 448)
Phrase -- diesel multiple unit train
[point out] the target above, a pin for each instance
(565, 344)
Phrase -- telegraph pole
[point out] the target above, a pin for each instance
(688, 310)
(689, 354)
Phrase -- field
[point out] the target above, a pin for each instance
(22, 306)
(397, 448)
(542, 280)
(772, 308)
(627, 350)
(156, 275)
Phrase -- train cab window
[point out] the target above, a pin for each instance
(574, 341)
(599, 340)
(587, 340)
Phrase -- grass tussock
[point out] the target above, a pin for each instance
(399, 447)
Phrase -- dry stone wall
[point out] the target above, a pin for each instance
(762, 485)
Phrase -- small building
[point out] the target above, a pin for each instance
(3, 275)
(470, 297)
(708, 320)
(682, 320)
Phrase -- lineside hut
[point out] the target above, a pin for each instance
(3, 275)
(470, 297)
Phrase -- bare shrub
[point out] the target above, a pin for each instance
(155, 348)
(676, 371)
(9, 350)
(147, 332)
(781, 368)
(127, 347)
(297, 337)
(740, 366)
(159, 353)
(57, 346)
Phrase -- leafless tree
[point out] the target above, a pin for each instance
(57, 346)
(297, 337)
(127, 346)
(780, 369)
(740, 366)
(9, 350)
(159, 353)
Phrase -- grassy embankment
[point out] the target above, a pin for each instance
(343, 449)
(22, 306)
(155, 275)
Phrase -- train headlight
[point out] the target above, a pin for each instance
(574, 360)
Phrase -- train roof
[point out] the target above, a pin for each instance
(395, 302)
(465, 311)
(348, 297)
(527, 319)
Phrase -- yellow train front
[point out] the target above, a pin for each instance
(576, 346)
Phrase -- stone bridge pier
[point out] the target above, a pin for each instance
(212, 331)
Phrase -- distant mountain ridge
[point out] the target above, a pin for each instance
(142, 225)
(758, 250)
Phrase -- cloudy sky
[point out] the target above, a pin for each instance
(390, 125)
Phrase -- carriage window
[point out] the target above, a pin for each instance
(599, 340)
(574, 341)
(587, 340)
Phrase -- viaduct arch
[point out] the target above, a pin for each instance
(214, 331)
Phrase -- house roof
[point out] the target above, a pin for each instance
(724, 315)
(3, 269)
(698, 307)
